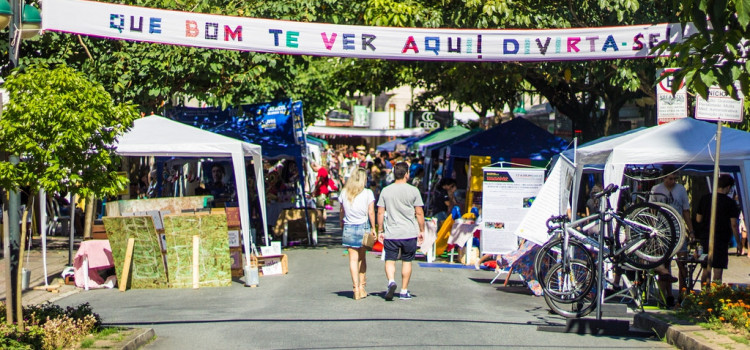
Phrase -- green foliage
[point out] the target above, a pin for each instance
(63, 127)
(717, 53)
(718, 306)
(44, 312)
(49, 326)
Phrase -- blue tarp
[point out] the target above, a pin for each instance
(268, 125)
(516, 139)
(390, 146)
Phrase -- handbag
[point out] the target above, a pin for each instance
(369, 239)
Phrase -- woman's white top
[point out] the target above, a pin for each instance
(355, 212)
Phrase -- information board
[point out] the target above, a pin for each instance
(507, 196)
(719, 106)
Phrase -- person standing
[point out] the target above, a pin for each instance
(402, 230)
(444, 199)
(323, 186)
(357, 219)
(727, 217)
(675, 195)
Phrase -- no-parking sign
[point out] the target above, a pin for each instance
(670, 107)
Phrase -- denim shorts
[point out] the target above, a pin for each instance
(353, 233)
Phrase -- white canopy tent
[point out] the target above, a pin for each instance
(684, 141)
(162, 137)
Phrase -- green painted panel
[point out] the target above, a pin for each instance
(215, 261)
(148, 269)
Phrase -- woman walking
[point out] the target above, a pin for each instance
(358, 219)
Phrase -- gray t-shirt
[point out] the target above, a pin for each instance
(677, 197)
(399, 201)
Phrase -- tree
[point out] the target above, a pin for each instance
(62, 127)
(717, 54)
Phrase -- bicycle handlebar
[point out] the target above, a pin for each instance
(611, 188)
(554, 220)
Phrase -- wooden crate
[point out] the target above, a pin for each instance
(98, 232)
(267, 261)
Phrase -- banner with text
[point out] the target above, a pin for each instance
(507, 194)
(319, 39)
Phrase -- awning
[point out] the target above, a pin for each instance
(329, 130)
(440, 136)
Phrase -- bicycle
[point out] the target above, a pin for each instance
(643, 238)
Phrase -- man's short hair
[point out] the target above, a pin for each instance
(400, 170)
(668, 169)
(447, 182)
(725, 180)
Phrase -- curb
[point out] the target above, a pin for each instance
(684, 335)
(138, 339)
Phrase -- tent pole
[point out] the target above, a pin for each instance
(714, 196)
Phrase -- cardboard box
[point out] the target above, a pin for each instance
(273, 265)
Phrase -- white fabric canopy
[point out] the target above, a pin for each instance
(349, 131)
(162, 137)
(684, 141)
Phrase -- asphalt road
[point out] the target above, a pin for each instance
(311, 308)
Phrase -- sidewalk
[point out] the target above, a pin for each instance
(57, 260)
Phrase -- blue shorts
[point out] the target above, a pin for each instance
(353, 233)
(407, 248)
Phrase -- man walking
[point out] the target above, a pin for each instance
(402, 229)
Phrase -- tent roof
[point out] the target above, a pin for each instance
(684, 140)
(440, 136)
(159, 136)
(518, 138)
(316, 140)
(390, 146)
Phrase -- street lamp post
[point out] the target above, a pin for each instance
(24, 22)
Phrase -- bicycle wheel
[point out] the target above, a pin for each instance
(679, 224)
(575, 280)
(569, 282)
(647, 234)
(572, 308)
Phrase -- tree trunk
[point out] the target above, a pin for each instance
(90, 212)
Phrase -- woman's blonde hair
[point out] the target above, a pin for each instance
(356, 184)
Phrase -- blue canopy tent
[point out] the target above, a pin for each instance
(270, 125)
(517, 141)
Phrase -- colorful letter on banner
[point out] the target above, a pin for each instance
(302, 38)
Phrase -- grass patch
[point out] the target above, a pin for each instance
(741, 340)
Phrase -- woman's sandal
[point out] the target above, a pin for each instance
(356, 292)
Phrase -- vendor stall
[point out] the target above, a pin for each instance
(158, 136)
(682, 142)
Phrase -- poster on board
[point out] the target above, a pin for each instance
(507, 195)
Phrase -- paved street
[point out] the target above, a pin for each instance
(311, 307)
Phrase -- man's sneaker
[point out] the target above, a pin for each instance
(391, 290)
(405, 295)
